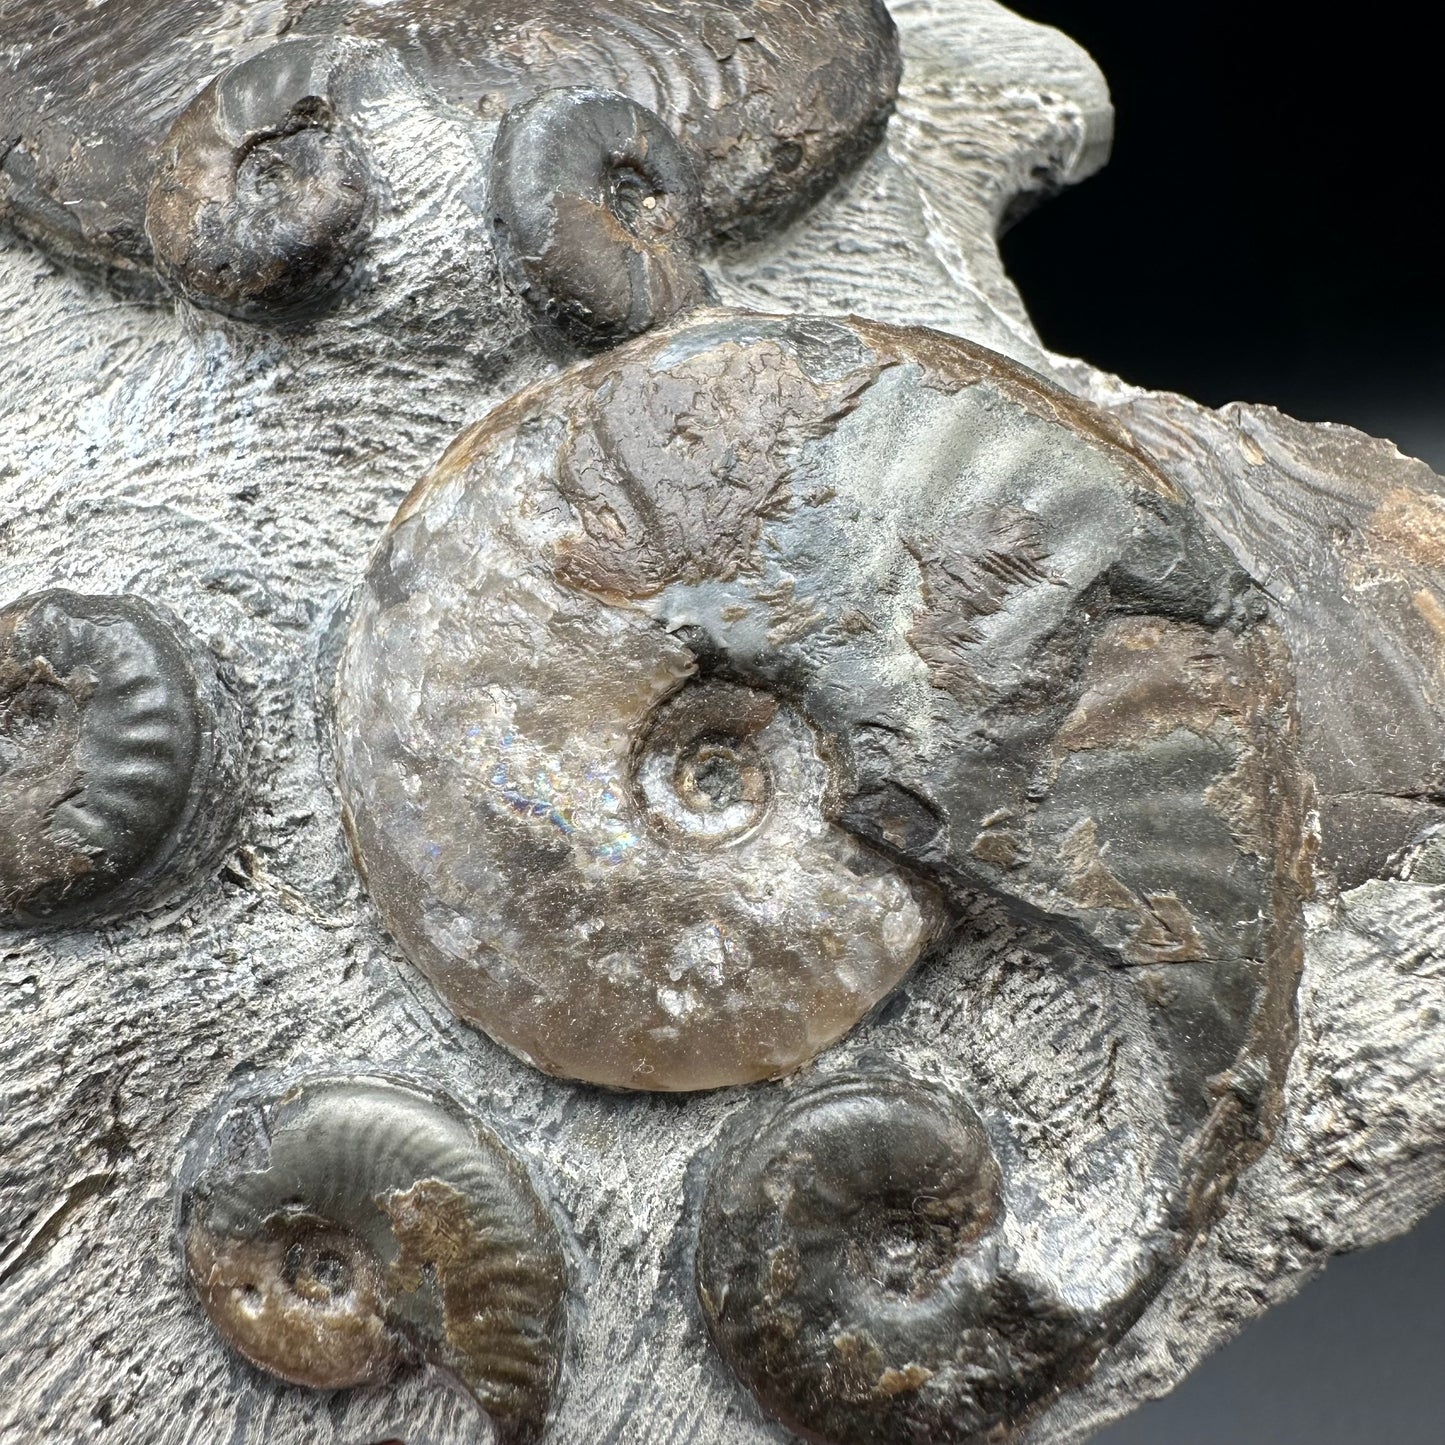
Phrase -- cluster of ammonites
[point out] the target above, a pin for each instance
(701, 691)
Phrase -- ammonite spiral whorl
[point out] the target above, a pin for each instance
(120, 756)
(348, 1225)
(771, 100)
(597, 215)
(854, 1274)
(697, 686)
(263, 198)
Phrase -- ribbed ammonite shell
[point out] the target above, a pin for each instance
(120, 756)
(343, 1226)
(859, 1269)
(697, 689)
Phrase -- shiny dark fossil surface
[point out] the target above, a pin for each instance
(120, 757)
(1039, 699)
(343, 1226)
(858, 1269)
(595, 211)
(769, 101)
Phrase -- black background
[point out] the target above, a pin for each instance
(1268, 230)
(1269, 227)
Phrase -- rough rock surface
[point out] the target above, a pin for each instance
(242, 478)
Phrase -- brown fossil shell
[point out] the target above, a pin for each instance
(120, 756)
(263, 197)
(351, 1224)
(696, 684)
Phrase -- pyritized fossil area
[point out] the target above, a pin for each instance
(595, 848)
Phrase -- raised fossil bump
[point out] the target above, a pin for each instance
(596, 212)
(932, 565)
(120, 750)
(263, 199)
(853, 1274)
(349, 1225)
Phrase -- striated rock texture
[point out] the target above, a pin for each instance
(241, 475)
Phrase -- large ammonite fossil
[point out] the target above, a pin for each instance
(700, 692)
(633, 131)
(695, 694)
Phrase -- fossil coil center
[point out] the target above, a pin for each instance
(384, 1228)
(38, 719)
(703, 772)
(317, 1267)
(901, 1251)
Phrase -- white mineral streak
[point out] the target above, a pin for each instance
(243, 479)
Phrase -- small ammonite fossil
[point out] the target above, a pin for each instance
(856, 1272)
(597, 215)
(699, 688)
(771, 100)
(348, 1225)
(264, 196)
(120, 756)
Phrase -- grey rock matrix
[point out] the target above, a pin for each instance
(241, 477)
